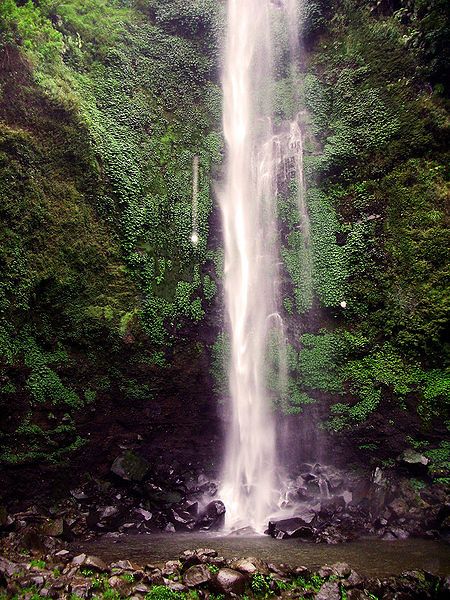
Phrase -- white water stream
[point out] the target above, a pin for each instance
(255, 156)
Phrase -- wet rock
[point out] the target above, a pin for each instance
(341, 569)
(79, 560)
(197, 575)
(95, 563)
(175, 586)
(130, 467)
(8, 568)
(329, 506)
(119, 585)
(80, 587)
(399, 507)
(229, 581)
(290, 528)
(329, 591)
(398, 533)
(79, 495)
(213, 517)
(170, 568)
(183, 520)
(358, 595)
(192, 509)
(250, 565)
(411, 457)
(144, 514)
(125, 565)
(57, 528)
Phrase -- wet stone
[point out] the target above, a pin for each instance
(329, 591)
(229, 581)
(197, 575)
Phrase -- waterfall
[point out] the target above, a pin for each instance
(256, 155)
(249, 222)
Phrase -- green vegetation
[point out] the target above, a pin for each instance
(103, 106)
(111, 100)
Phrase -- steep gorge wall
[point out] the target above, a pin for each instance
(110, 318)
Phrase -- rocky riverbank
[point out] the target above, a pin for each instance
(203, 574)
(320, 503)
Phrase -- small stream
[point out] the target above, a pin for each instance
(369, 557)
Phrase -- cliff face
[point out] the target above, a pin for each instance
(110, 319)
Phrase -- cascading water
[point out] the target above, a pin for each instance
(250, 267)
(256, 154)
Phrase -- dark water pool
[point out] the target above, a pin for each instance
(369, 557)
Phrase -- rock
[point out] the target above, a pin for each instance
(400, 534)
(197, 575)
(80, 587)
(130, 467)
(8, 568)
(192, 509)
(411, 457)
(79, 495)
(169, 528)
(250, 565)
(353, 580)
(119, 585)
(341, 569)
(228, 581)
(398, 507)
(175, 586)
(183, 520)
(96, 563)
(125, 565)
(108, 512)
(290, 528)
(326, 571)
(170, 568)
(160, 497)
(329, 591)
(57, 528)
(37, 581)
(145, 514)
(329, 506)
(79, 560)
(213, 517)
(358, 595)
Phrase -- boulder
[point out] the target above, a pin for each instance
(329, 591)
(250, 565)
(57, 528)
(213, 516)
(411, 457)
(341, 569)
(80, 587)
(358, 595)
(295, 527)
(130, 467)
(95, 563)
(197, 575)
(183, 520)
(8, 568)
(228, 581)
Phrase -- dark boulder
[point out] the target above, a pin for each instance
(213, 516)
(295, 527)
(197, 575)
(228, 581)
(130, 467)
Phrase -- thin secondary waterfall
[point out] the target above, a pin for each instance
(249, 220)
